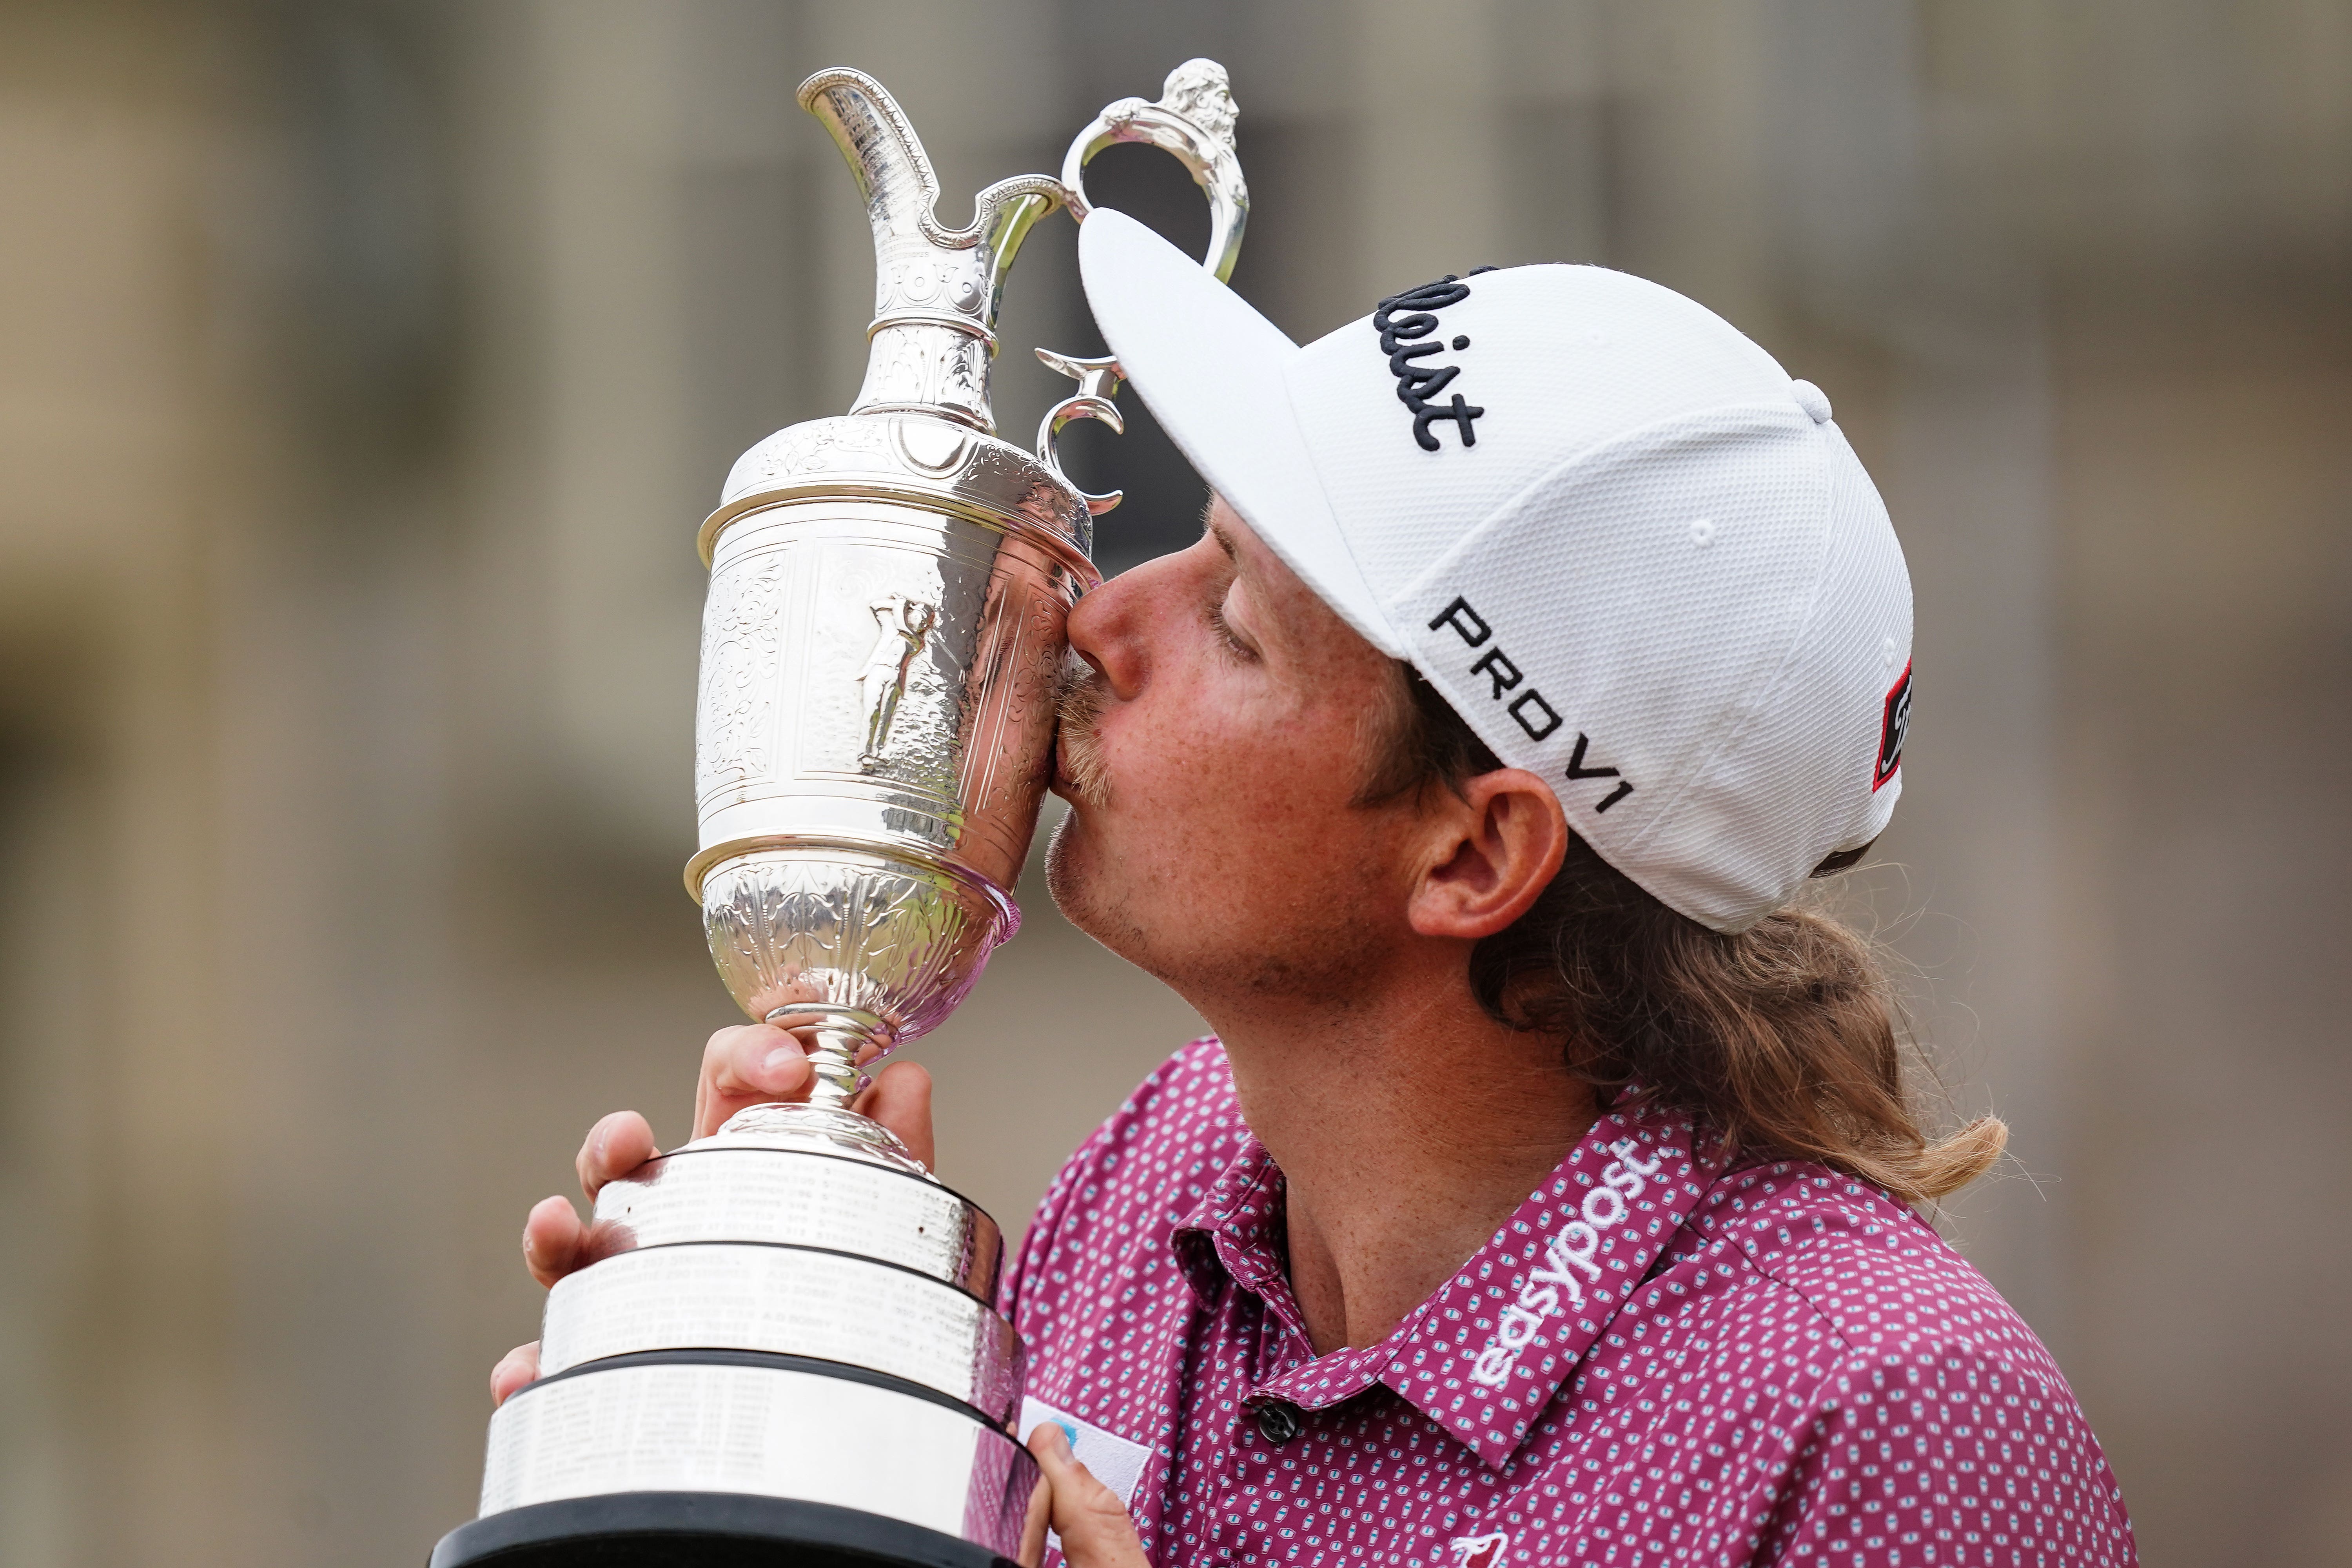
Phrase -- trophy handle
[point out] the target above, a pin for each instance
(1194, 119)
(1097, 381)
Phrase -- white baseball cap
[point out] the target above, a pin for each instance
(1637, 558)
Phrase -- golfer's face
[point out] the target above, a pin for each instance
(1212, 765)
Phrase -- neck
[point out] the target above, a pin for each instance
(1409, 1126)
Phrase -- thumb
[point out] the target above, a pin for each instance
(1088, 1515)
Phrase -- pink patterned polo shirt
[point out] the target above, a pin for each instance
(1655, 1361)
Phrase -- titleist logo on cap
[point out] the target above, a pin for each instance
(1402, 340)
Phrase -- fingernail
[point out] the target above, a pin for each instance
(774, 1066)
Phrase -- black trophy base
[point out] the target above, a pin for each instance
(699, 1530)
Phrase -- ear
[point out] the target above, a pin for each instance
(1490, 853)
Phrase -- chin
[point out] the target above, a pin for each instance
(1075, 876)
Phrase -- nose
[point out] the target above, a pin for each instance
(1110, 627)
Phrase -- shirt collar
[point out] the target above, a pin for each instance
(1234, 1234)
(1486, 1352)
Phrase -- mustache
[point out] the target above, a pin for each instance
(1079, 698)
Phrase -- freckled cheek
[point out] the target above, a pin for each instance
(1258, 788)
(1174, 780)
(1174, 765)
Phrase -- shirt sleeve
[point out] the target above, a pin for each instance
(1945, 1459)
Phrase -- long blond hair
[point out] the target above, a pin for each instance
(1785, 1038)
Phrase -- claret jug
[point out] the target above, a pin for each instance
(788, 1347)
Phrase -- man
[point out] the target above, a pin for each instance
(1543, 1196)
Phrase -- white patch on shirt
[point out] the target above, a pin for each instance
(1116, 1461)
(1570, 1252)
(1479, 1551)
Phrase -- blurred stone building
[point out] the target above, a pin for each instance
(367, 367)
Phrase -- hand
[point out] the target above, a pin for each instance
(1088, 1515)
(752, 1064)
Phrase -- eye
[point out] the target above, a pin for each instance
(1225, 634)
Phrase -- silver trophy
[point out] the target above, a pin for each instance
(788, 1343)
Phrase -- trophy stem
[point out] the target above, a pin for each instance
(841, 1035)
(839, 1043)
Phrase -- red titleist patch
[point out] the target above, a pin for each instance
(1891, 730)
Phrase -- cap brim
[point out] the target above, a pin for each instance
(1216, 374)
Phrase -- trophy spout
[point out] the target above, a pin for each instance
(936, 289)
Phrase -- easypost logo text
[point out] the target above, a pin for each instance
(1570, 1262)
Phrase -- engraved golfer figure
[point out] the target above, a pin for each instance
(906, 628)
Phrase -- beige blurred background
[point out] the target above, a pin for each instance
(367, 367)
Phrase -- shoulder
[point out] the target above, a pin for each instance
(1908, 1351)
(1906, 1381)
(1876, 1277)
(1153, 1161)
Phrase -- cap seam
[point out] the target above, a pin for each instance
(1512, 501)
(1765, 688)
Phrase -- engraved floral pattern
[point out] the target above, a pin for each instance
(803, 448)
(735, 714)
(825, 926)
(913, 365)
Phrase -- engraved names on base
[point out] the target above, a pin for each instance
(758, 1194)
(684, 1427)
(787, 1300)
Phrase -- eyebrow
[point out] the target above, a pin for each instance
(1224, 542)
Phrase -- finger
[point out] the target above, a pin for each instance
(1032, 1532)
(1088, 1515)
(551, 1241)
(901, 1100)
(752, 1064)
(614, 1147)
(519, 1368)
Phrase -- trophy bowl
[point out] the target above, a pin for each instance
(874, 728)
